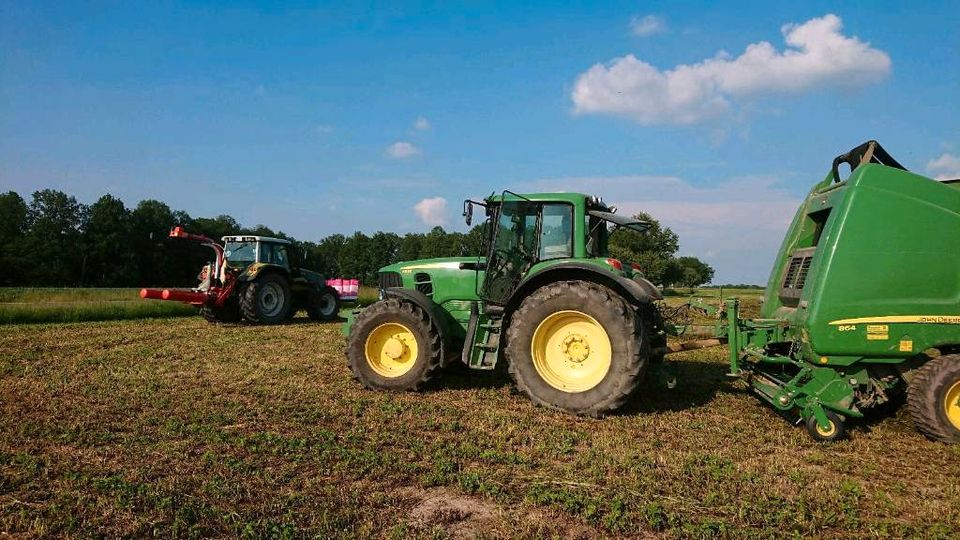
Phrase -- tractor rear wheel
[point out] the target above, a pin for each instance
(393, 346)
(933, 399)
(578, 347)
(267, 300)
(323, 305)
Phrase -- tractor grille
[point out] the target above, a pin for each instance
(796, 275)
(423, 283)
(389, 279)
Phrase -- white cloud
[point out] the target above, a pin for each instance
(817, 55)
(945, 167)
(402, 150)
(647, 26)
(736, 226)
(422, 124)
(324, 129)
(432, 211)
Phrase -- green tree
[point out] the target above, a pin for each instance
(693, 272)
(13, 226)
(159, 262)
(411, 247)
(325, 257)
(53, 249)
(110, 261)
(652, 250)
(218, 227)
(435, 244)
(356, 258)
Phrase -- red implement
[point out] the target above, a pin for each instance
(184, 295)
(151, 294)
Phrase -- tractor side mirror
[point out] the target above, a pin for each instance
(468, 212)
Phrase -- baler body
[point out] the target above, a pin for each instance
(865, 290)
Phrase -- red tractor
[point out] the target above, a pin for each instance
(253, 278)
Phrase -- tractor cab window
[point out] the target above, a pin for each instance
(556, 236)
(240, 254)
(274, 254)
(514, 247)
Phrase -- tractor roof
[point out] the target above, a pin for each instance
(591, 201)
(251, 238)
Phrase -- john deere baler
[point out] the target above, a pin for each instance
(862, 304)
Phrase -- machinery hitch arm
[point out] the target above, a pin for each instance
(215, 294)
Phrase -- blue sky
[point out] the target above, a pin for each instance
(338, 118)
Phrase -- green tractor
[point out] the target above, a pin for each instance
(253, 278)
(863, 303)
(579, 329)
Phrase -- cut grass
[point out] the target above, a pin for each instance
(24, 305)
(20, 305)
(177, 428)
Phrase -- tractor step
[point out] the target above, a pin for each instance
(483, 339)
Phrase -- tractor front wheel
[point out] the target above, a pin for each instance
(577, 346)
(393, 346)
(933, 399)
(267, 300)
(323, 305)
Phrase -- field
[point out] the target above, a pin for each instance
(47, 305)
(176, 428)
(39, 305)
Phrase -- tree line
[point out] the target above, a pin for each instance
(54, 240)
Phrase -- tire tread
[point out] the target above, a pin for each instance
(355, 346)
(630, 374)
(922, 403)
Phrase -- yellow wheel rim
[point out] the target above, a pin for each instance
(571, 351)
(391, 350)
(952, 404)
(827, 432)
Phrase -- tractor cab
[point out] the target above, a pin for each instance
(242, 251)
(526, 232)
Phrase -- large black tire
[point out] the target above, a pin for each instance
(267, 299)
(323, 305)
(229, 313)
(367, 336)
(629, 347)
(927, 398)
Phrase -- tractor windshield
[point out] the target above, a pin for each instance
(522, 233)
(240, 254)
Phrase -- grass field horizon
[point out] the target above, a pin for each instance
(36, 305)
(177, 428)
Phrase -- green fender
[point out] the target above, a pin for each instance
(638, 291)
